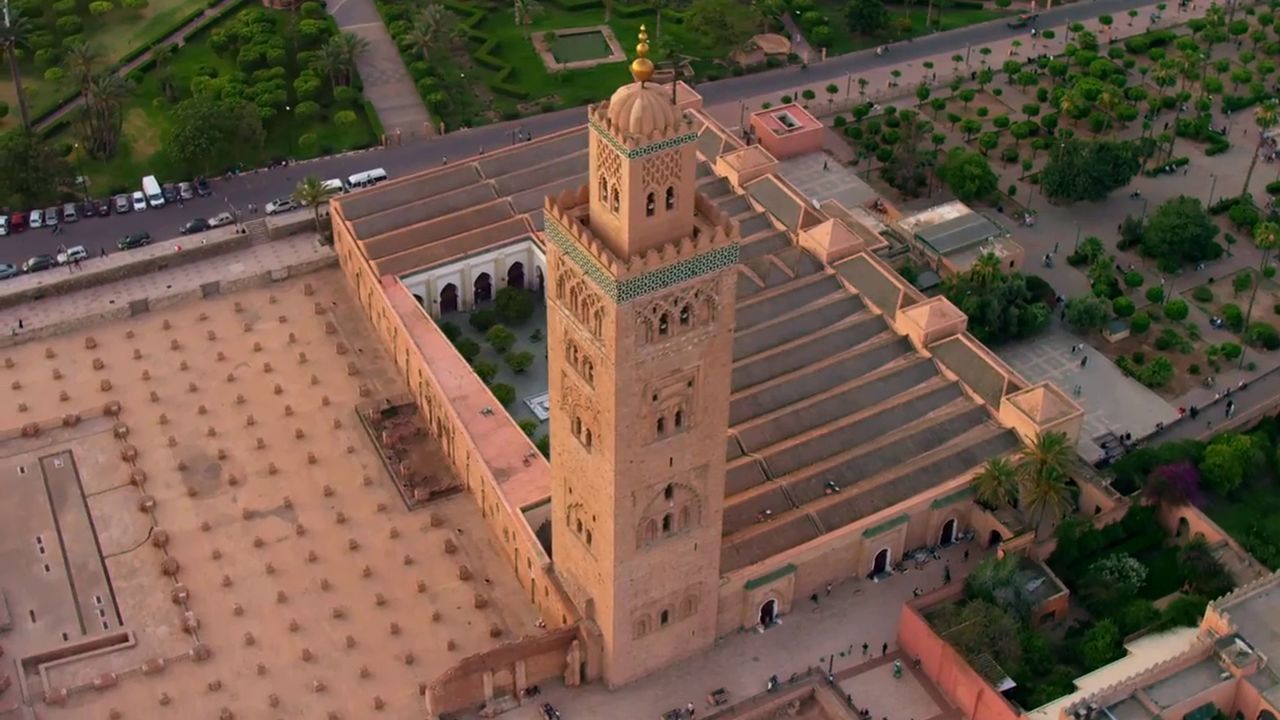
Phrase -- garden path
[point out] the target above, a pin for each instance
(387, 83)
(173, 38)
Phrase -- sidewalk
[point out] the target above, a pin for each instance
(387, 83)
(173, 38)
(61, 312)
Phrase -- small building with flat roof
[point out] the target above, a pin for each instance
(952, 236)
(787, 131)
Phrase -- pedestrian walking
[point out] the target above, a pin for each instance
(102, 252)
(884, 649)
(966, 554)
(825, 166)
(865, 649)
(1084, 361)
(828, 588)
(814, 598)
(946, 574)
(19, 323)
(1055, 247)
(1074, 348)
(690, 709)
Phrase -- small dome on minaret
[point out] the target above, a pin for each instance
(639, 108)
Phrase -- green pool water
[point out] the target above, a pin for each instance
(579, 46)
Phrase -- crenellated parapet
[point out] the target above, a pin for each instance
(1200, 649)
(633, 145)
(713, 245)
(1221, 604)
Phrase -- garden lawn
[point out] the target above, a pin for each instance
(573, 87)
(846, 42)
(146, 120)
(114, 35)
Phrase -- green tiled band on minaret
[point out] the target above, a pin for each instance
(633, 153)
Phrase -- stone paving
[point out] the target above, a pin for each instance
(856, 611)
(256, 547)
(387, 83)
(1113, 402)
(821, 178)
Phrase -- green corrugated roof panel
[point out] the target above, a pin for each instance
(767, 578)
(886, 526)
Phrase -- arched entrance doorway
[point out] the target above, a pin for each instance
(948, 534)
(449, 299)
(420, 299)
(880, 565)
(483, 288)
(515, 275)
(1266, 715)
(995, 538)
(768, 612)
(1184, 527)
(537, 272)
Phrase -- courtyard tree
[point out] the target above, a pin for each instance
(102, 118)
(723, 25)
(15, 35)
(82, 59)
(1000, 306)
(1088, 169)
(1266, 235)
(514, 305)
(1174, 484)
(968, 175)
(867, 17)
(1228, 460)
(1043, 473)
(1179, 232)
(525, 11)
(1087, 312)
(312, 192)
(337, 57)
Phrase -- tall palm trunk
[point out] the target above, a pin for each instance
(1253, 162)
(17, 88)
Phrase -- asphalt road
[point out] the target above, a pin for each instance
(261, 186)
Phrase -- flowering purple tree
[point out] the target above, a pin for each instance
(1174, 484)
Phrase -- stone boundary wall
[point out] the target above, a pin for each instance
(161, 301)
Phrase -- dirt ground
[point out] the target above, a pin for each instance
(255, 546)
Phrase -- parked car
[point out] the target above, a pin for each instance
(69, 214)
(38, 263)
(202, 187)
(37, 219)
(185, 191)
(50, 216)
(280, 205)
(18, 222)
(103, 207)
(122, 204)
(194, 225)
(8, 270)
(72, 254)
(170, 192)
(136, 240)
(221, 219)
(4, 225)
(86, 209)
(139, 201)
(1022, 21)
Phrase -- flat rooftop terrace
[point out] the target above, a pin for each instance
(234, 519)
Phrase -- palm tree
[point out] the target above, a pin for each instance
(346, 48)
(82, 60)
(438, 27)
(524, 11)
(1042, 473)
(1266, 235)
(997, 484)
(330, 61)
(163, 57)
(985, 270)
(104, 117)
(15, 32)
(1266, 117)
(313, 192)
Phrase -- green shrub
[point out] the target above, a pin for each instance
(1155, 293)
(485, 370)
(1177, 309)
(1140, 323)
(1268, 272)
(451, 331)
(518, 361)
(1193, 368)
(1233, 316)
(528, 426)
(1138, 357)
(500, 338)
(1133, 279)
(544, 446)
(467, 348)
(1122, 307)
(1242, 281)
(1263, 335)
(1202, 294)
(1230, 350)
(483, 319)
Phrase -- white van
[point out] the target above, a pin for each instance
(334, 186)
(365, 179)
(151, 189)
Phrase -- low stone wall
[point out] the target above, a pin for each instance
(159, 302)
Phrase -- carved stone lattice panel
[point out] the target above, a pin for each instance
(660, 171)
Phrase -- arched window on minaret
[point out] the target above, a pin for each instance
(597, 322)
(650, 205)
(604, 190)
(666, 523)
(662, 425)
(664, 325)
(616, 201)
(671, 198)
(679, 423)
(686, 316)
(577, 426)
(586, 438)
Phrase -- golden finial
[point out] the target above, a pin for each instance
(642, 66)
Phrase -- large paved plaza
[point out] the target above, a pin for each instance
(229, 545)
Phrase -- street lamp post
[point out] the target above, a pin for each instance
(1077, 245)
(1212, 185)
(1144, 209)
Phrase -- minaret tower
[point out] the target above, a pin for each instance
(640, 343)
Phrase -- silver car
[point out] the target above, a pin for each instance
(8, 270)
(186, 191)
(69, 214)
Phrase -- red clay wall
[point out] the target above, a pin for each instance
(946, 667)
